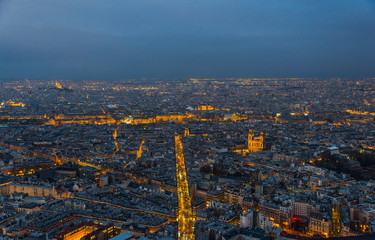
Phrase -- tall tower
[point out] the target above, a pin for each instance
(336, 224)
(250, 137)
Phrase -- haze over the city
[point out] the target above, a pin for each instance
(125, 39)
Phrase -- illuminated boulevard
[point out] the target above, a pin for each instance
(185, 213)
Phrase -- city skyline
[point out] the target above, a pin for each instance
(187, 159)
(188, 120)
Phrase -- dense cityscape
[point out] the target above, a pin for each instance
(277, 158)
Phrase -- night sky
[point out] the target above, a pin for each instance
(117, 39)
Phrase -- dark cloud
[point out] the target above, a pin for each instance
(91, 39)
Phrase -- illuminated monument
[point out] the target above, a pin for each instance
(254, 144)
